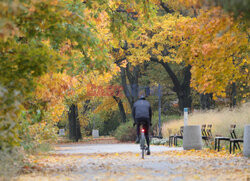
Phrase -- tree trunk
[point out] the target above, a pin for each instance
(183, 89)
(74, 124)
(206, 101)
(233, 95)
(132, 91)
(184, 93)
(121, 108)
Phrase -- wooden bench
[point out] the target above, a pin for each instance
(179, 136)
(173, 138)
(235, 144)
(233, 139)
(206, 132)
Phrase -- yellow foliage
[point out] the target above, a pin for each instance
(54, 88)
(216, 50)
(156, 38)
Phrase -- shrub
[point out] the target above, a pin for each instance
(126, 132)
(110, 121)
(157, 141)
(35, 135)
(105, 121)
(11, 163)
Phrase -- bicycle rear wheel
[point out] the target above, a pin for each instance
(142, 143)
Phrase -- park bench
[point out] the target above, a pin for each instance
(206, 135)
(209, 130)
(233, 139)
(170, 139)
(206, 132)
(173, 138)
(179, 136)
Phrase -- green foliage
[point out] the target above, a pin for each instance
(107, 122)
(126, 132)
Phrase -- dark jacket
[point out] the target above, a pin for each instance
(142, 110)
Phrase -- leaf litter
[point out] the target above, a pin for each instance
(171, 165)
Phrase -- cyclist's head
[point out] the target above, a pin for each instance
(142, 96)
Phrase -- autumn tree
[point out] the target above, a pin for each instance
(34, 39)
(165, 42)
(216, 48)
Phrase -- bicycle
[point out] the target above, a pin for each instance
(142, 142)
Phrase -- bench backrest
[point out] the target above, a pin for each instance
(209, 130)
(181, 130)
(232, 131)
(203, 130)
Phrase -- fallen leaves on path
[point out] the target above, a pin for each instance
(183, 165)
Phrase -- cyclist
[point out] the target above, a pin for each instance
(142, 115)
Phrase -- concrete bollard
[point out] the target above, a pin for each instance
(246, 144)
(192, 137)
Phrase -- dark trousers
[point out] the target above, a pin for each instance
(145, 125)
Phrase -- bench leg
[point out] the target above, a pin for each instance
(215, 144)
(238, 145)
(218, 145)
(234, 147)
(230, 149)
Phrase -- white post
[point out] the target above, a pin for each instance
(61, 132)
(185, 116)
(246, 144)
(95, 133)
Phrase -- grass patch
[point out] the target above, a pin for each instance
(44, 147)
(11, 163)
(34, 147)
(221, 121)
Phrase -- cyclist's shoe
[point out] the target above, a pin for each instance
(148, 151)
(137, 140)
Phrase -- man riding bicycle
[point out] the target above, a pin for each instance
(142, 115)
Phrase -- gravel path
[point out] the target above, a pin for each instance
(108, 148)
(122, 162)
